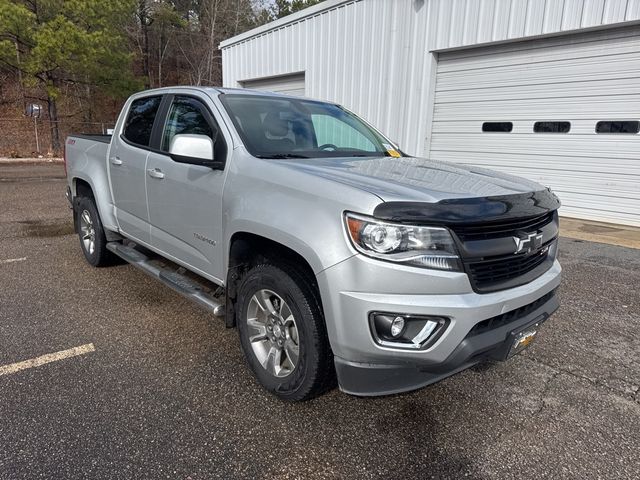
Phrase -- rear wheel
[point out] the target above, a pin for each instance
(282, 332)
(93, 241)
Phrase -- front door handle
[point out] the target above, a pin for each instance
(116, 161)
(155, 173)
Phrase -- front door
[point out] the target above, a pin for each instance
(127, 168)
(185, 201)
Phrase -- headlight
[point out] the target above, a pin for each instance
(428, 247)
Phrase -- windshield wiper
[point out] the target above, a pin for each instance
(282, 155)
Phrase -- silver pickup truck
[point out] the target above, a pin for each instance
(337, 256)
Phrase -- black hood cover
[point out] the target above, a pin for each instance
(470, 210)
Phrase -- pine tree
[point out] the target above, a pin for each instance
(57, 43)
(282, 8)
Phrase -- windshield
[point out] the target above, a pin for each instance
(276, 127)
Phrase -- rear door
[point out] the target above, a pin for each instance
(185, 201)
(127, 167)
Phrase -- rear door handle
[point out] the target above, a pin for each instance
(116, 161)
(155, 173)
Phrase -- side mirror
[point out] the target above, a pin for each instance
(194, 149)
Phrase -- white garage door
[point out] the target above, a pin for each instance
(569, 84)
(288, 84)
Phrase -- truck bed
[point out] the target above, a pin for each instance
(81, 149)
(86, 160)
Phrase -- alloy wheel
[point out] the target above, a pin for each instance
(87, 232)
(273, 333)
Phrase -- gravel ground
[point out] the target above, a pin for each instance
(166, 394)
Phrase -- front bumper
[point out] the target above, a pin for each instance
(367, 368)
(378, 379)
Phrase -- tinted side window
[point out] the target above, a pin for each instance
(139, 124)
(187, 115)
(551, 127)
(497, 127)
(621, 126)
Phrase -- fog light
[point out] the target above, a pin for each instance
(406, 331)
(397, 326)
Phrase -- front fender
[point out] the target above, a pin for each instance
(277, 235)
(300, 211)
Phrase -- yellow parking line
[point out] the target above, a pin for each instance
(48, 358)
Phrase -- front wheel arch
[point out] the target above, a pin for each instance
(247, 250)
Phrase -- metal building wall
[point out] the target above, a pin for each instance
(348, 53)
(373, 56)
(468, 22)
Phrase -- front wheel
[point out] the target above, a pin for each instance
(282, 332)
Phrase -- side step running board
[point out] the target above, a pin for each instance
(171, 278)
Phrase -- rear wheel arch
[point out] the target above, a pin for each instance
(79, 189)
(82, 188)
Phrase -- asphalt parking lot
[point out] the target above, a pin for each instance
(166, 394)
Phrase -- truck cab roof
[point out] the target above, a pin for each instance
(211, 90)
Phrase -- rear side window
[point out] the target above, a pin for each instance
(139, 124)
(621, 126)
(551, 127)
(505, 127)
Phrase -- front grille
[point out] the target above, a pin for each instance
(495, 273)
(507, 228)
(506, 318)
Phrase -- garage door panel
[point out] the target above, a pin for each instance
(583, 126)
(613, 146)
(600, 165)
(616, 185)
(559, 91)
(581, 79)
(286, 84)
(517, 79)
(597, 214)
(624, 106)
(573, 39)
(587, 50)
(600, 68)
(601, 203)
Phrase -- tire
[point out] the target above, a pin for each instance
(93, 241)
(283, 289)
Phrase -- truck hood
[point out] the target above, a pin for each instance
(410, 179)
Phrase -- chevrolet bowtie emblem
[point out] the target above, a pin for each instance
(527, 242)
